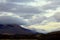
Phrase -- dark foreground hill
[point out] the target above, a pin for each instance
(49, 36)
(53, 36)
(17, 32)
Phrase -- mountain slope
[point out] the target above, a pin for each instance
(15, 29)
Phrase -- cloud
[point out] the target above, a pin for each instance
(4, 1)
(57, 16)
(37, 19)
(35, 12)
(23, 9)
(17, 6)
(9, 7)
(38, 3)
(20, 0)
(10, 18)
(50, 27)
(47, 20)
(53, 5)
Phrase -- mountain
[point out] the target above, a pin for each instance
(12, 29)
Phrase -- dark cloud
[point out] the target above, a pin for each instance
(23, 9)
(27, 16)
(12, 20)
(20, 0)
(10, 7)
(54, 0)
(57, 16)
(6, 6)
(53, 5)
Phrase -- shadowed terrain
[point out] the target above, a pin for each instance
(49, 36)
(17, 32)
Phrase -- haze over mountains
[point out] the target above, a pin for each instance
(11, 25)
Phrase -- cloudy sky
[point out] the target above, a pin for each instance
(38, 13)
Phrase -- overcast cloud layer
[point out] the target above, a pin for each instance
(33, 11)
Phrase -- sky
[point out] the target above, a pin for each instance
(37, 13)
